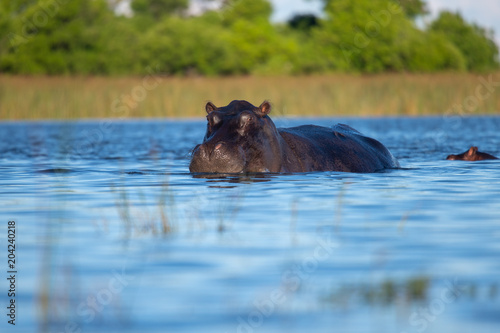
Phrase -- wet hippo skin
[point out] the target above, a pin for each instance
(241, 138)
(473, 154)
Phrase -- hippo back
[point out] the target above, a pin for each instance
(340, 148)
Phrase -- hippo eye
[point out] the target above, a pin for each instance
(245, 119)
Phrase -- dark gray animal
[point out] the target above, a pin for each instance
(241, 138)
(473, 154)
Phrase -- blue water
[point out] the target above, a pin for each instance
(114, 235)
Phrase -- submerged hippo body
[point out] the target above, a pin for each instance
(242, 138)
(473, 154)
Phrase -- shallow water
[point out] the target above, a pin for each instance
(114, 235)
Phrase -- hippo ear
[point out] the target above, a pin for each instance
(210, 107)
(264, 108)
(472, 151)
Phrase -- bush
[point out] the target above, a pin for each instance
(475, 43)
(368, 36)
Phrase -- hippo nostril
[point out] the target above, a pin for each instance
(200, 150)
(218, 146)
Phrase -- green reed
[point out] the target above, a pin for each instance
(327, 95)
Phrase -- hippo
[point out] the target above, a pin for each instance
(242, 138)
(472, 155)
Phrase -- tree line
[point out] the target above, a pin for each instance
(82, 37)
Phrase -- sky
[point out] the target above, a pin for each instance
(485, 13)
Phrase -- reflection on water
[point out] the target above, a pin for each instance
(387, 292)
(247, 178)
(414, 290)
(115, 235)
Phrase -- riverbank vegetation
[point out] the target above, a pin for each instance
(81, 37)
(73, 59)
(313, 95)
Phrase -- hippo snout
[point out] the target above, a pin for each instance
(217, 157)
(204, 151)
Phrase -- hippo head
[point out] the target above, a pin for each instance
(473, 154)
(469, 155)
(240, 138)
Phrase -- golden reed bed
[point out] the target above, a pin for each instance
(326, 95)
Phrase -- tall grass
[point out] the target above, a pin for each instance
(345, 95)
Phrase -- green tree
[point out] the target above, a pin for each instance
(413, 8)
(188, 46)
(476, 43)
(379, 35)
(86, 37)
(52, 38)
(252, 40)
(247, 10)
(364, 35)
(158, 8)
(304, 22)
(430, 52)
(10, 35)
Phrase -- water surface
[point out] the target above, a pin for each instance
(115, 235)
